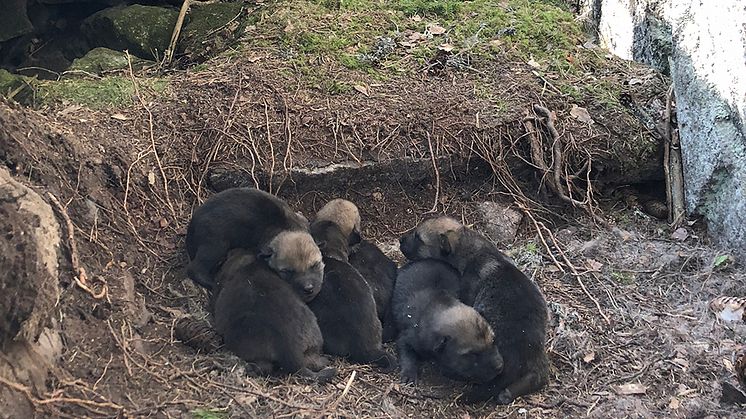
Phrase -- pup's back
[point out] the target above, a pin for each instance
(515, 308)
(235, 218)
(345, 308)
(380, 273)
(260, 317)
(416, 278)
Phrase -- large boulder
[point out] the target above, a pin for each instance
(704, 47)
(210, 29)
(143, 30)
(13, 20)
(29, 339)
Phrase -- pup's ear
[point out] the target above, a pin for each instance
(266, 253)
(445, 244)
(355, 238)
(440, 344)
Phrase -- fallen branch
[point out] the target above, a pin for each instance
(169, 55)
(79, 277)
(672, 165)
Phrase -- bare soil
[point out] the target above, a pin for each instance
(628, 303)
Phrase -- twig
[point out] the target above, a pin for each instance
(336, 403)
(437, 176)
(152, 135)
(169, 55)
(80, 277)
(41, 402)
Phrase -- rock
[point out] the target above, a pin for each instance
(710, 94)
(13, 20)
(500, 221)
(100, 60)
(13, 86)
(29, 340)
(211, 28)
(143, 30)
(28, 260)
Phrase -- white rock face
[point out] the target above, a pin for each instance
(703, 43)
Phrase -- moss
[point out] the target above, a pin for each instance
(100, 60)
(108, 92)
(18, 88)
(211, 28)
(143, 30)
(208, 414)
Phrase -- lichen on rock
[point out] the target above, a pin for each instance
(100, 60)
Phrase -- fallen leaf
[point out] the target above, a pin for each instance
(362, 89)
(255, 58)
(590, 356)
(720, 260)
(163, 222)
(681, 362)
(594, 265)
(416, 18)
(633, 81)
(436, 29)
(570, 59)
(496, 43)
(581, 114)
(377, 196)
(446, 47)
(680, 234)
(119, 117)
(674, 403)
(533, 63)
(151, 178)
(630, 389)
(416, 36)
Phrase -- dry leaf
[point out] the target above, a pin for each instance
(255, 58)
(581, 114)
(446, 47)
(362, 89)
(674, 403)
(436, 29)
(416, 36)
(163, 223)
(416, 18)
(495, 43)
(680, 234)
(119, 117)
(533, 63)
(632, 388)
(590, 356)
(151, 178)
(594, 265)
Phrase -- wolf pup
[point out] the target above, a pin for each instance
(261, 223)
(264, 321)
(345, 309)
(377, 269)
(434, 324)
(499, 291)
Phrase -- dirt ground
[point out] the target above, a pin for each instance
(631, 333)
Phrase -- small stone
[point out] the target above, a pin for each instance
(500, 221)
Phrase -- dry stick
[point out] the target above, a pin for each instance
(175, 35)
(539, 227)
(271, 147)
(675, 165)
(37, 402)
(345, 391)
(667, 153)
(80, 277)
(152, 135)
(437, 176)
